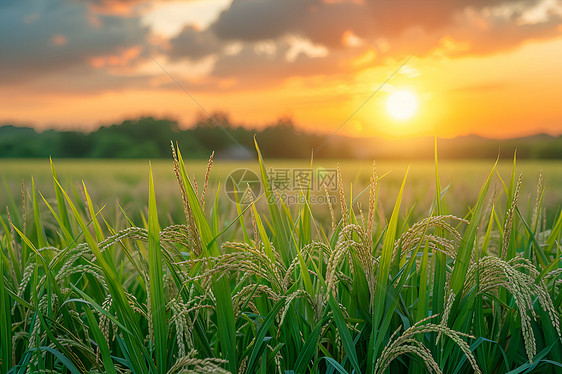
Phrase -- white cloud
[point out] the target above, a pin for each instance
(169, 18)
(541, 13)
(299, 45)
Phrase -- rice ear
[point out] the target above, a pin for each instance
(332, 215)
(406, 344)
(509, 220)
(205, 185)
(343, 204)
(372, 199)
(191, 226)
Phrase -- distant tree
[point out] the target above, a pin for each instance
(131, 134)
(112, 145)
(216, 119)
(150, 137)
(74, 145)
(551, 150)
(18, 142)
(283, 140)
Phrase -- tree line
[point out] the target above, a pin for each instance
(150, 137)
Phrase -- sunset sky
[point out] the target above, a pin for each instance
(486, 67)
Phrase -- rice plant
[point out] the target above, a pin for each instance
(276, 291)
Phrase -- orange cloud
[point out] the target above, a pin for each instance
(448, 45)
(365, 59)
(117, 8)
(315, 59)
(59, 39)
(349, 39)
(120, 59)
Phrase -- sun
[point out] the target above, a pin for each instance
(402, 105)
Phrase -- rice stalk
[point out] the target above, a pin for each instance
(206, 183)
(190, 364)
(540, 191)
(254, 223)
(418, 233)
(331, 208)
(372, 200)
(491, 272)
(509, 220)
(191, 225)
(406, 344)
(343, 204)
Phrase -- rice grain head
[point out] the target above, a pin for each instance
(509, 219)
(344, 211)
(332, 215)
(406, 344)
(205, 185)
(372, 200)
(492, 272)
(191, 364)
(540, 190)
(194, 237)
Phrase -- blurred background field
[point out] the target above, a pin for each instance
(126, 182)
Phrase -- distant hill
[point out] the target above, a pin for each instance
(540, 146)
(150, 137)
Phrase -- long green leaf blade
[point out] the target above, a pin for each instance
(5, 320)
(467, 242)
(156, 289)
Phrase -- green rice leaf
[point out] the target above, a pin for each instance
(5, 319)
(261, 340)
(336, 365)
(345, 335)
(279, 222)
(554, 234)
(383, 273)
(157, 298)
(133, 340)
(309, 348)
(100, 341)
(440, 276)
(62, 209)
(62, 358)
(66, 234)
(221, 287)
(467, 242)
(541, 257)
(41, 239)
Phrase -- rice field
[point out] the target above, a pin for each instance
(124, 182)
(389, 276)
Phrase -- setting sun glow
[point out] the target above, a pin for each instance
(402, 105)
(79, 65)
